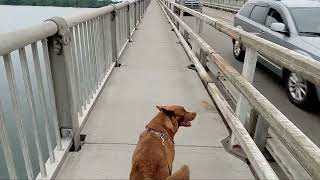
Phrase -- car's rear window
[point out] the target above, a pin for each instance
(259, 14)
(246, 10)
(307, 20)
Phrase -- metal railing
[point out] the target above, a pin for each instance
(71, 59)
(268, 118)
(232, 3)
(222, 7)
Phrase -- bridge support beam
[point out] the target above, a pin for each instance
(64, 81)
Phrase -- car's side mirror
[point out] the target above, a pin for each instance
(278, 27)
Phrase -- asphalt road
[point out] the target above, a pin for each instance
(265, 81)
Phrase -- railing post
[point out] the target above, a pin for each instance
(141, 6)
(261, 133)
(144, 6)
(113, 17)
(172, 9)
(140, 10)
(252, 123)
(248, 71)
(199, 26)
(7, 151)
(203, 58)
(181, 17)
(198, 29)
(59, 48)
(185, 35)
(128, 24)
(135, 15)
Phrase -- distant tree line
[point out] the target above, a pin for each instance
(60, 3)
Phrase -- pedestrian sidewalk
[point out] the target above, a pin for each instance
(153, 72)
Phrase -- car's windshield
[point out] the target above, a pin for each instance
(307, 20)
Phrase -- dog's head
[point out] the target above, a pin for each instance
(178, 115)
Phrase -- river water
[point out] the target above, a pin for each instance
(12, 18)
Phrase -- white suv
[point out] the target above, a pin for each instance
(294, 24)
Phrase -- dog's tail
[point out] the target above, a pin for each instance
(182, 174)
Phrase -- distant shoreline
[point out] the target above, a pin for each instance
(21, 5)
(59, 3)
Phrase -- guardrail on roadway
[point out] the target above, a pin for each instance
(232, 3)
(223, 7)
(78, 54)
(270, 118)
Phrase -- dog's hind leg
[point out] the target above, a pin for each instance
(182, 174)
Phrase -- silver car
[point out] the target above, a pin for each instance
(192, 4)
(294, 24)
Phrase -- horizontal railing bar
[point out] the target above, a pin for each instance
(305, 66)
(122, 4)
(20, 38)
(284, 158)
(232, 9)
(306, 152)
(80, 18)
(61, 155)
(223, 5)
(256, 158)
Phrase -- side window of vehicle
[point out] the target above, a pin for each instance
(273, 17)
(246, 10)
(259, 14)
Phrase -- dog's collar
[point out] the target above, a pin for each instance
(163, 136)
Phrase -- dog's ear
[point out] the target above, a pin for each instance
(165, 109)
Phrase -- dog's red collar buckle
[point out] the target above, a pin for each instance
(164, 137)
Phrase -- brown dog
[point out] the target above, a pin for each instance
(154, 154)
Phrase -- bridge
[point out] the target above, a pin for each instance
(85, 87)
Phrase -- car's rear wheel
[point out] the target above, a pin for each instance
(238, 51)
(300, 92)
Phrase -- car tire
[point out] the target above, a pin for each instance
(300, 92)
(238, 51)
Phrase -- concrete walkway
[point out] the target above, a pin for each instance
(153, 72)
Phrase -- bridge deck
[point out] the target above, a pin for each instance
(153, 72)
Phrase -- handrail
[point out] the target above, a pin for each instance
(236, 3)
(79, 18)
(305, 66)
(304, 150)
(256, 158)
(11, 41)
(79, 53)
(228, 8)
